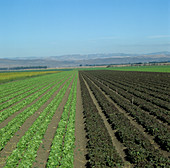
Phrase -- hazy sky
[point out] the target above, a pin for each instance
(58, 27)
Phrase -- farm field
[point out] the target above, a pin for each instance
(35, 114)
(156, 68)
(8, 76)
(129, 121)
(100, 118)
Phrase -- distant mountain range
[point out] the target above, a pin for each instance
(75, 60)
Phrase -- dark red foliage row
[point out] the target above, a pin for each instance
(149, 122)
(141, 100)
(144, 98)
(101, 152)
(139, 150)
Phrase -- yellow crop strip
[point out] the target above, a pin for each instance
(15, 75)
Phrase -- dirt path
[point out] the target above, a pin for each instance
(134, 123)
(44, 149)
(11, 145)
(80, 150)
(118, 146)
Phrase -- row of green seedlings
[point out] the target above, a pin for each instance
(26, 93)
(11, 87)
(9, 130)
(25, 153)
(11, 110)
(15, 86)
(30, 85)
(151, 124)
(139, 150)
(137, 98)
(62, 149)
(101, 152)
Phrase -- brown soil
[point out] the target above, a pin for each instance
(11, 145)
(80, 150)
(134, 123)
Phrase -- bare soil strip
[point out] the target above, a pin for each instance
(80, 150)
(134, 123)
(44, 149)
(11, 145)
(118, 146)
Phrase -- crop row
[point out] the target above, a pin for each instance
(26, 151)
(15, 86)
(153, 79)
(11, 76)
(144, 94)
(27, 93)
(62, 149)
(143, 88)
(9, 130)
(11, 110)
(157, 81)
(151, 124)
(101, 152)
(30, 85)
(147, 96)
(138, 149)
(138, 80)
(139, 99)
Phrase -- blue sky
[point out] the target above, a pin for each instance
(58, 27)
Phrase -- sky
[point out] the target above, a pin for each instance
(40, 28)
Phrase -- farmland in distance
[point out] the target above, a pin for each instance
(150, 68)
(94, 118)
